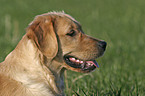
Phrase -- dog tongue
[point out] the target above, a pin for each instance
(93, 62)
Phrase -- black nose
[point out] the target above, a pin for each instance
(102, 44)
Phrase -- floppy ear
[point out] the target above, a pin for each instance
(42, 31)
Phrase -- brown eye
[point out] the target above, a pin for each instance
(71, 33)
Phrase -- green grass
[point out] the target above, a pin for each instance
(119, 22)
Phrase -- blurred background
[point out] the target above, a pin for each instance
(119, 22)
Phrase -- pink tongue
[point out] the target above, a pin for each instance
(93, 62)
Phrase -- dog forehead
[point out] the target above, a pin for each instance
(64, 21)
(68, 22)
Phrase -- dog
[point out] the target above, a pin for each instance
(53, 42)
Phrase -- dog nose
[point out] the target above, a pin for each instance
(102, 44)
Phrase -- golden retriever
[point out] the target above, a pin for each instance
(54, 42)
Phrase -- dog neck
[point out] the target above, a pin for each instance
(55, 69)
(42, 69)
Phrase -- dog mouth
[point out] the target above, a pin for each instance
(85, 66)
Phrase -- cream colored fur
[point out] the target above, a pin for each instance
(29, 73)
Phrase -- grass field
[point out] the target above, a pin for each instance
(119, 22)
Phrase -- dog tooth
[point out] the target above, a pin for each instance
(77, 60)
(73, 59)
(89, 64)
(81, 62)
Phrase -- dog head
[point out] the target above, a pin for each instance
(59, 35)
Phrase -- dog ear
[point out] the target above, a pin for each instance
(42, 31)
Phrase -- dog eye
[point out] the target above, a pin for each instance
(71, 33)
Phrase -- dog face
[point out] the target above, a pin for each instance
(79, 50)
(55, 32)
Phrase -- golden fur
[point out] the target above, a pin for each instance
(36, 66)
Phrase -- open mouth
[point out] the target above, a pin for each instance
(81, 64)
